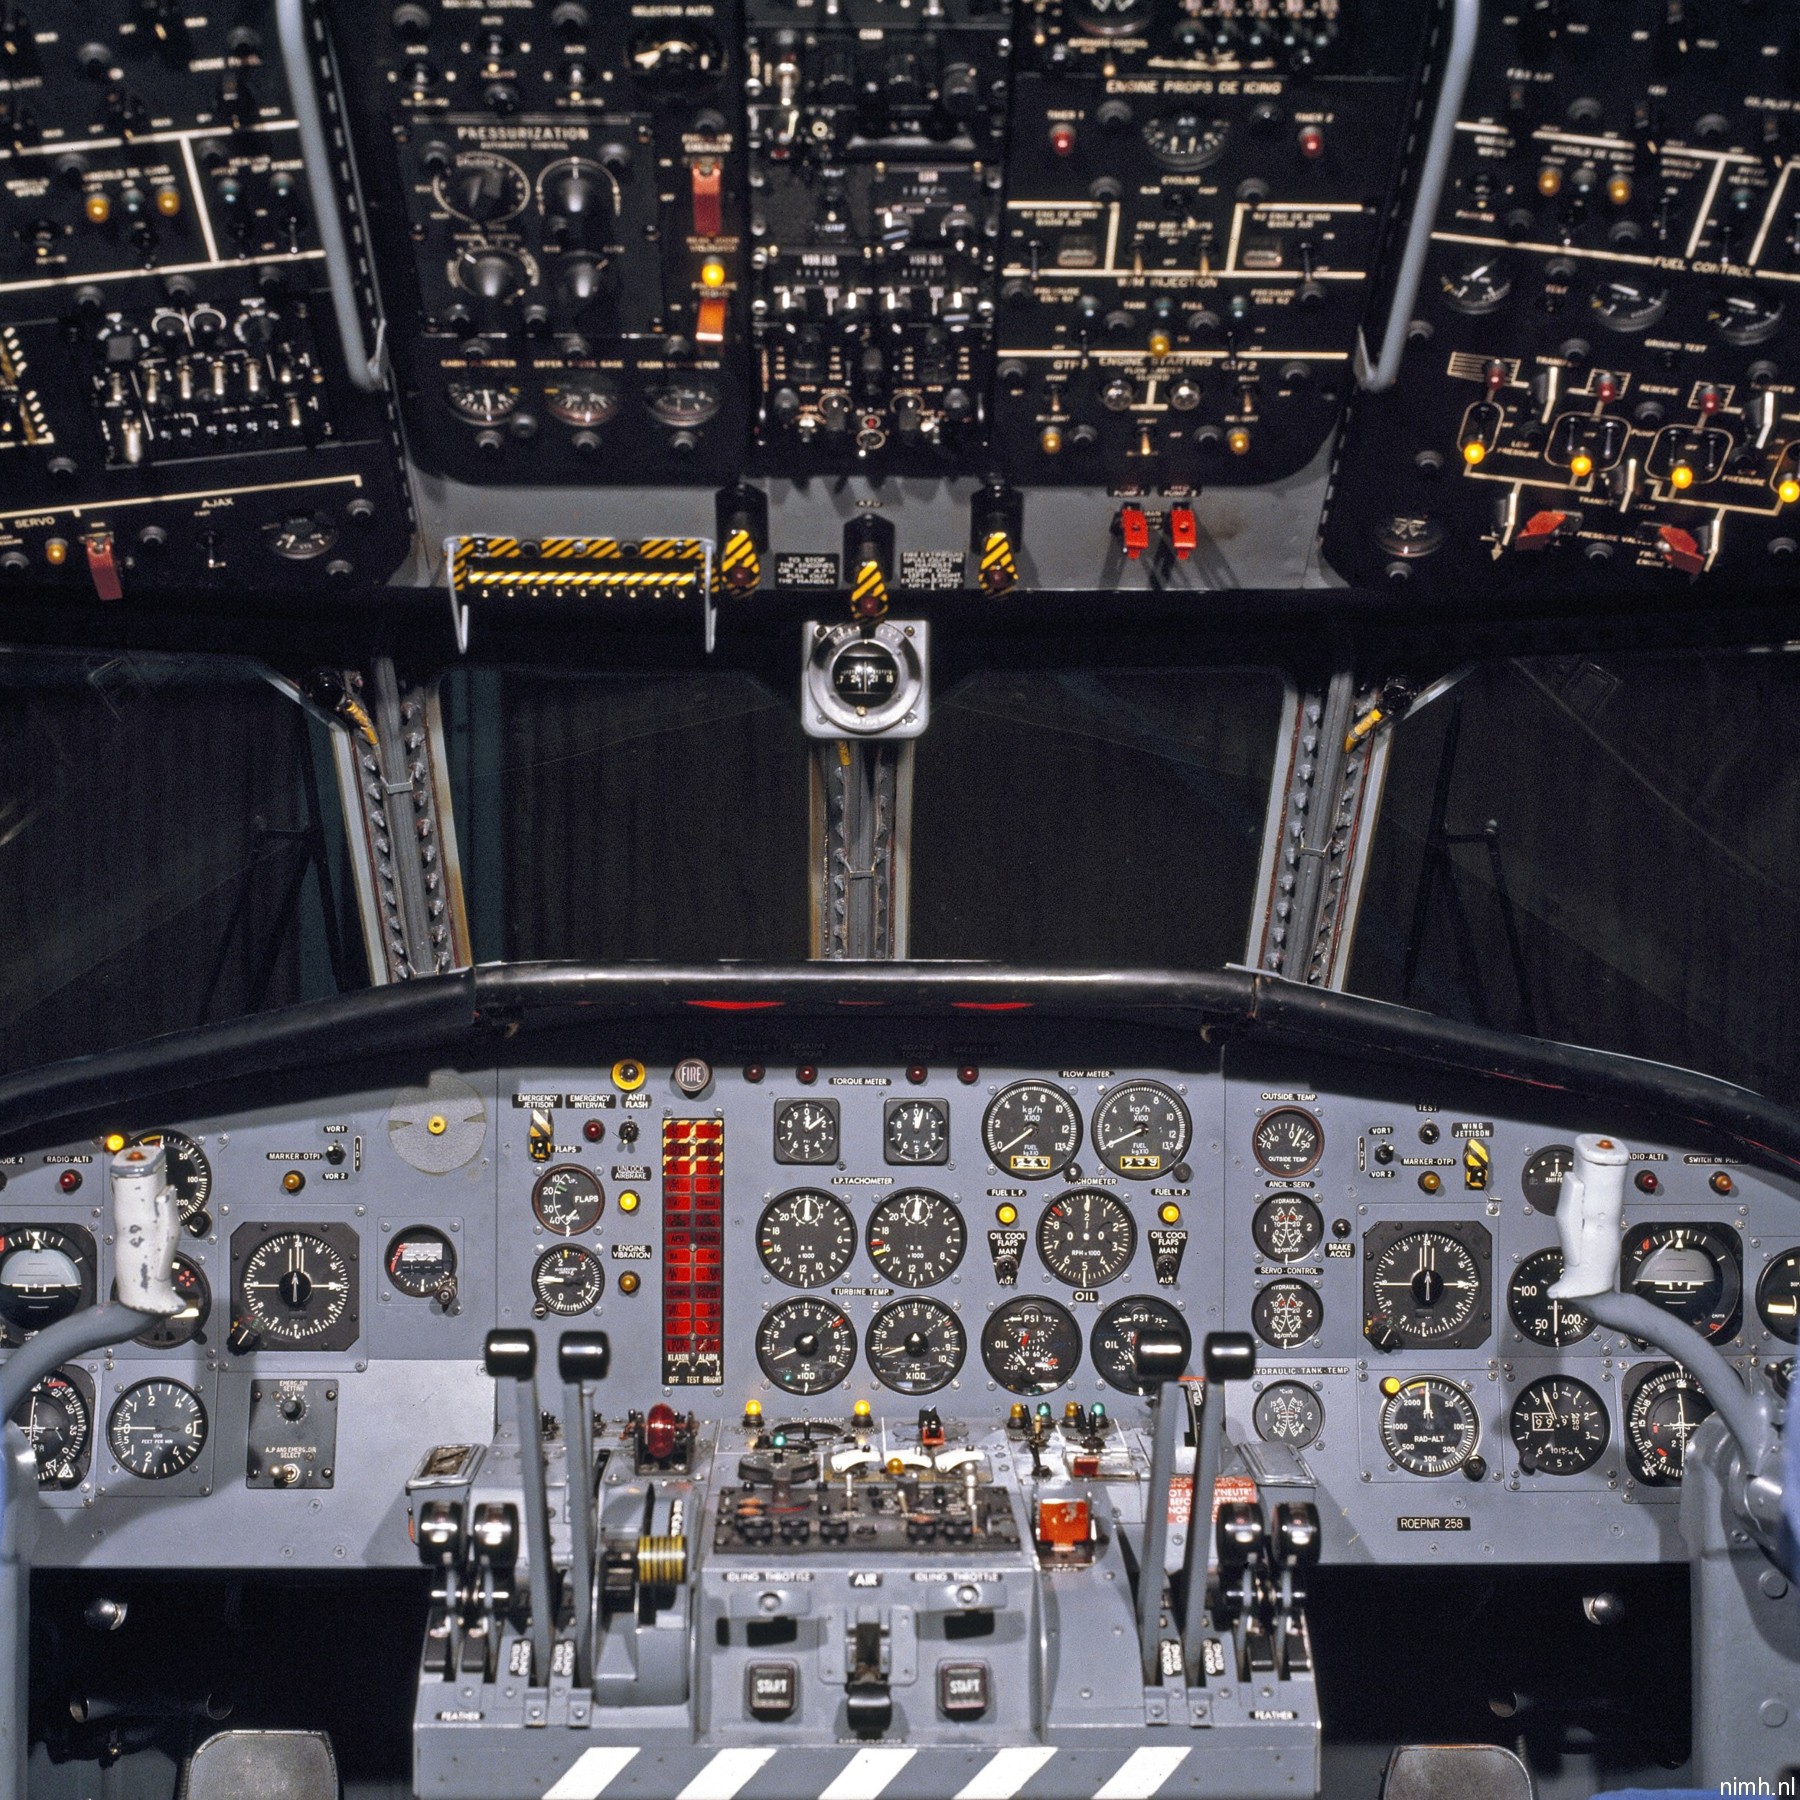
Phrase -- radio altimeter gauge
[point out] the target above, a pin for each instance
(566, 1280)
(1695, 1272)
(1559, 1426)
(1663, 1407)
(917, 1239)
(156, 1429)
(1429, 1427)
(1426, 1286)
(1030, 1345)
(57, 1417)
(806, 1238)
(1031, 1129)
(296, 1287)
(1114, 1340)
(1086, 1238)
(916, 1346)
(806, 1346)
(1556, 1323)
(1288, 1141)
(1141, 1129)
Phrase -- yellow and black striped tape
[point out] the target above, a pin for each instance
(999, 568)
(869, 595)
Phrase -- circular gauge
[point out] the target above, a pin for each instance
(1186, 139)
(300, 537)
(583, 400)
(481, 402)
(916, 1346)
(806, 1131)
(1544, 1320)
(46, 1273)
(1626, 306)
(1660, 1417)
(1287, 1227)
(1542, 1175)
(806, 1346)
(295, 1287)
(1746, 319)
(188, 1325)
(482, 188)
(916, 1131)
(1559, 1426)
(57, 1417)
(1113, 18)
(1031, 1129)
(568, 1279)
(684, 401)
(1141, 1129)
(1287, 1413)
(1113, 1342)
(420, 1261)
(156, 1429)
(1288, 1141)
(916, 1239)
(1778, 1297)
(190, 1174)
(1426, 1287)
(1086, 1238)
(1030, 1345)
(1287, 1313)
(1479, 286)
(568, 1200)
(806, 1238)
(1692, 1271)
(1429, 1426)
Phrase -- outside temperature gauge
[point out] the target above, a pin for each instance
(1288, 1141)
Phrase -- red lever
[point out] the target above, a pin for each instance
(1184, 532)
(709, 199)
(102, 570)
(1134, 531)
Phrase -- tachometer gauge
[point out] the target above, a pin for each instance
(1141, 1129)
(1086, 1238)
(916, 1346)
(1288, 1141)
(1287, 1227)
(156, 1429)
(1559, 1426)
(1030, 1345)
(190, 1174)
(46, 1273)
(1693, 1271)
(189, 1325)
(1031, 1129)
(806, 1238)
(1746, 319)
(1661, 1413)
(1113, 1342)
(1778, 1297)
(1287, 1313)
(57, 1417)
(567, 1280)
(1627, 306)
(1186, 139)
(915, 1131)
(806, 1131)
(917, 1238)
(1426, 1285)
(568, 1200)
(296, 1289)
(806, 1346)
(1429, 1426)
(421, 1262)
(1555, 1323)
(1541, 1178)
(1288, 1413)
(1479, 286)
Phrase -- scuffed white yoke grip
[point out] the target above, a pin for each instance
(146, 1229)
(1590, 1213)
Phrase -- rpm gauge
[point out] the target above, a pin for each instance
(568, 1200)
(1429, 1427)
(917, 1238)
(1141, 1129)
(566, 1280)
(1031, 1129)
(1692, 1271)
(1086, 1238)
(1114, 1340)
(1559, 1426)
(806, 1238)
(1288, 1141)
(1030, 1345)
(916, 1346)
(806, 1346)
(190, 1175)
(156, 1429)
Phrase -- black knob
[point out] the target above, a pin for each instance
(1240, 1534)
(511, 1355)
(959, 93)
(1229, 1356)
(490, 274)
(1159, 1357)
(581, 279)
(577, 195)
(243, 1338)
(478, 190)
(583, 1355)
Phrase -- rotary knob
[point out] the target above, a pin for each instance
(577, 198)
(582, 280)
(489, 273)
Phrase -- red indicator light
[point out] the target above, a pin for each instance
(1062, 138)
(69, 1180)
(594, 1130)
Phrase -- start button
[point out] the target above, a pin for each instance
(772, 1690)
(963, 1690)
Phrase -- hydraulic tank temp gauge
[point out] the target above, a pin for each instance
(57, 1417)
(1288, 1141)
(1288, 1412)
(917, 1238)
(1547, 1321)
(806, 1346)
(1559, 1426)
(916, 1346)
(1141, 1129)
(1030, 1345)
(1693, 1271)
(421, 1262)
(1429, 1426)
(190, 1174)
(1663, 1407)
(156, 1429)
(1031, 1129)
(1113, 1342)
(568, 1200)
(566, 1280)
(1086, 1238)
(806, 1238)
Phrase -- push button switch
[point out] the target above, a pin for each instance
(771, 1691)
(963, 1690)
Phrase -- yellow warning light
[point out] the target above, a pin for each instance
(1681, 477)
(56, 553)
(752, 1409)
(1788, 491)
(629, 1201)
(861, 1412)
(1549, 181)
(1160, 343)
(1581, 465)
(114, 1142)
(1474, 452)
(1170, 1213)
(1390, 1385)
(1431, 1181)
(895, 1466)
(292, 1182)
(629, 1282)
(437, 1124)
(628, 1075)
(1237, 441)
(1050, 440)
(1618, 190)
(1006, 1213)
(98, 209)
(712, 273)
(168, 202)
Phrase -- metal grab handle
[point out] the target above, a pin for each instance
(366, 371)
(1465, 28)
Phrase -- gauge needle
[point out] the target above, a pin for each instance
(1023, 1135)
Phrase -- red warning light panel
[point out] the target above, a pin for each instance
(693, 1252)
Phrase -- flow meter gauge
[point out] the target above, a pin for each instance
(1538, 1315)
(566, 1280)
(1141, 1129)
(866, 681)
(1031, 1129)
(1030, 1345)
(1114, 1340)
(1288, 1141)
(1086, 1238)
(1286, 1412)
(915, 1131)
(806, 1131)
(57, 1417)
(46, 1273)
(568, 1200)
(1429, 1426)
(295, 1287)
(1426, 1286)
(1559, 1426)
(156, 1429)
(806, 1346)
(190, 1174)
(806, 1238)
(916, 1346)
(917, 1239)
(189, 1325)
(1663, 1407)
(1695, 1272)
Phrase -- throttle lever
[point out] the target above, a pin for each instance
(582, 1359)
(1225, 1356)
(512, 1356)
(1160, 1360)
